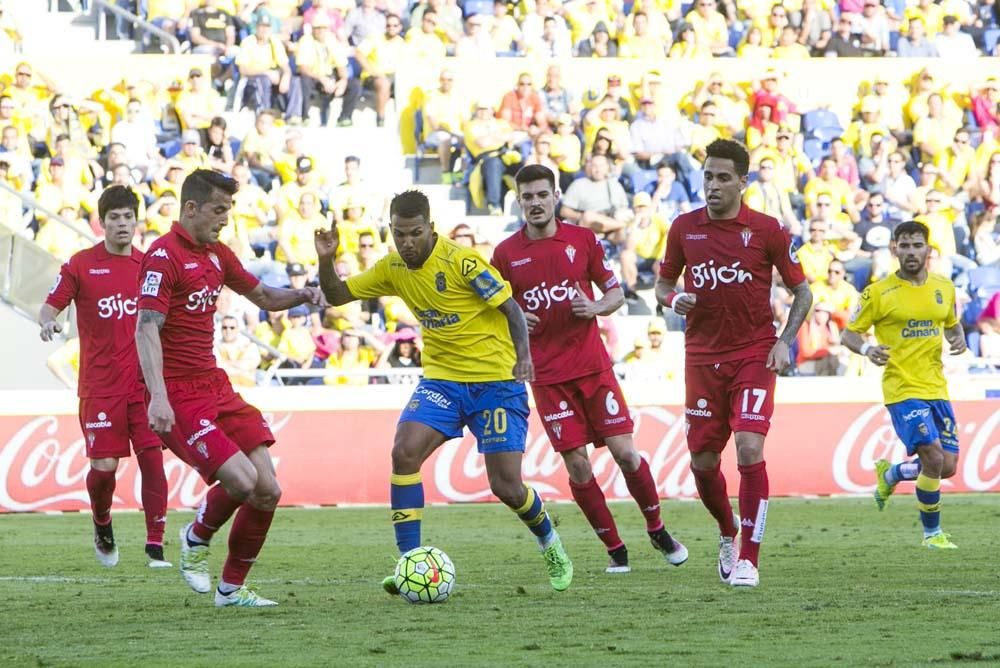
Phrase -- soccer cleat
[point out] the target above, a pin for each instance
(242, 598)
(154, 553)
(744, 574)
(559, 565)
(618, 561)
(727, 552)
(104, 545)
(883, 490)
(673, 550)
(389, 584)
(940, 541)
(194, 564)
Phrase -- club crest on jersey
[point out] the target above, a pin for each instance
(938, 297)
(557, 430)
(55, 286)
(215, 260)
(746, 234)
(201, 448)
(91, 437)
(439, 282)
(570, 252)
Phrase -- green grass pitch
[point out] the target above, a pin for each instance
(841, 585)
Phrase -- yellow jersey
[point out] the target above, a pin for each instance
(910, 319)
(455, 296)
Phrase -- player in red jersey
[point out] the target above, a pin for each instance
(102, 281)
(551, 267)
(727, 252)
(191, 402)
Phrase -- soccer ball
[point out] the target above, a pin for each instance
(425, 575)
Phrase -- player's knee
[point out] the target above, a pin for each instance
(948, 468)
(932, 460)
(104, 464)
(625, 454)
(511, 493)
(578, 465)
(749, 449)
(267, 494)
(404, 459)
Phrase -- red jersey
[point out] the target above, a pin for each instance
(542, 273)
(104, 289)
(182, 280)
(728, 264)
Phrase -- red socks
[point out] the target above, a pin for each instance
(245, 541)
(642, 488)
(591, 500)
(215, 511)
(753, 509)
(711, 484)
(154, 493)
(101, 488)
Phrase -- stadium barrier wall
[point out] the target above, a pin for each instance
(833, 83)
(333, 447)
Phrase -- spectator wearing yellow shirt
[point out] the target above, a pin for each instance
(296, 229)
(252, 211)
(766, 196)
(642, 43)
(933, 133)
(485, 138)
(322, 63)
(354, 224)
(353, 356)
(837, 188)
(774, 24)
(752, 45)
(30, 95)
(567, 150)
(583, 17)
(858, 135)
(646, 243)
(836, 291)
(929, 13)
(443, 123)
(259, 148)
(286, 163)
(939, 220)
(606, 115)
(788, 47)
(956, 165)
(505, 33)
(192, 155)
(686, 45)
(380, 56)
(297, 345)
(200, 103)
(305, 181)
(237, 355)
(59, 240)
(705, 131)
(710, 27)
(76, 169)
(815, 255)
(162, 213)
(56, 192)
(263, 62)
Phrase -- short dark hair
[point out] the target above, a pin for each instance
(117, 197)
(727, 149)
(61, 137)
(199, 185)
(352, 158)
(535, 173)
(410, 204)
(911, 227)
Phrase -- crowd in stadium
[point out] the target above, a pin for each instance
(628, 162)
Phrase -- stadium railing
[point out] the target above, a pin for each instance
(98, 9)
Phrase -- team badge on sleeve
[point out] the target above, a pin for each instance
(55, 286)
(793, 251)
(151, 284)
(485, 285)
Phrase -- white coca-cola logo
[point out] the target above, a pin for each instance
(40, 472)
(460, 472)
(870, 437)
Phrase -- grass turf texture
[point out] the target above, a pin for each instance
(841, 584)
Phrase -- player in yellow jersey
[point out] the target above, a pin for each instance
(910, 310)
(476, 358)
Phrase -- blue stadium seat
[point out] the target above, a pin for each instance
(644, 180)
(471, 7)
(990, 38)
(819, 118)
(813, 148)
(893, 39)
(422, 148)
(984, 282)
(825, 134)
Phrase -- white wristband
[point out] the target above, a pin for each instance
(865, 347)
(676, 297)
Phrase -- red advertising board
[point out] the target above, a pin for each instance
(342, 457)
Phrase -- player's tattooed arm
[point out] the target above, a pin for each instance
(802, 299)
(278, 299)
(150, 349)
(524, 368)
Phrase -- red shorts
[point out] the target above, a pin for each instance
(212, 422)
(583, 410)
(725, 398)
(110, 423)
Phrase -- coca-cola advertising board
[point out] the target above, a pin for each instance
(342, 457)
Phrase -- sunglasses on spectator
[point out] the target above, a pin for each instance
(784, 136)
(824, 203)
(779, 15)
(763, 167)
(873, 204)
(393, 25)
(817, 229)
(24, 74)
(934, 201)
(961, 141)
(229, 327)
(63, 106)
(366, 245)
(523, 83)
(837, 272)
(897, 160)
(195, 75)
(464, 235)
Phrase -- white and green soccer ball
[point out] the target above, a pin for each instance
(425, 575)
